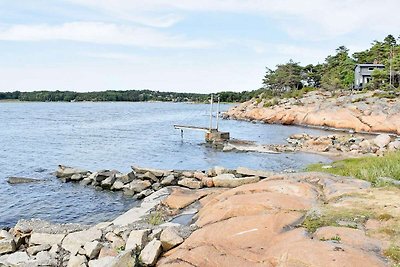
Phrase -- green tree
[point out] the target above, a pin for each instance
(286, 77)
(338, 70)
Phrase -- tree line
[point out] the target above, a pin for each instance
(337, 71)
(127, 96)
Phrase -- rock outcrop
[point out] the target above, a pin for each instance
(268, 224)
(358, 112)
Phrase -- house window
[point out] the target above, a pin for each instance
(371, 68)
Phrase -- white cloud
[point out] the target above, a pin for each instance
(313, 19)
(100, 33)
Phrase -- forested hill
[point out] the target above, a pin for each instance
(129, 96)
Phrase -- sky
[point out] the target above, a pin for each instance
(176, 45)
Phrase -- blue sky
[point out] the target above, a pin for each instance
(176, 45)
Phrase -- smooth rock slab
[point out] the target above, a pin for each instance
(135, 214)
(249, 172)
(229, 180)
(151, 252)
(353, 237)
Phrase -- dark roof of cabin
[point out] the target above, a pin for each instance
(369, 65)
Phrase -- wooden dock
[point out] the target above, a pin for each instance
(195, 128)
(212, 134)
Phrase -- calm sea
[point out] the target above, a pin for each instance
(36, 137)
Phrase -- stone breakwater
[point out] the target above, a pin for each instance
(142, 182)
(301, 219)
(362, 112)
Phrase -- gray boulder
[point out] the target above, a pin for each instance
(18, 259)
(76, 177)
(22, 180)
(145, 193)
(382, 140)
(151, 252)
(108, 182)
(395, 145)
(170, 238)
(137, 238)
(33, 250)
(124, 259)
(127, 178)
(191, 183)
(118, 185)
(92, 249)
(150, 176)
(102, 262)
(67, 172)
(74, 241)
(139, 185)
(156, 172)
(168, 180)
(77, 261)
(7, 246)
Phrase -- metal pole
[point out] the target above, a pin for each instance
(218, 113)
(211, 111)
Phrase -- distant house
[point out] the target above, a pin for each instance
(363, 74)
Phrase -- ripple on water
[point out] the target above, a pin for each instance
(36, 137)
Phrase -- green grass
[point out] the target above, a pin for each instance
(334, 238)
(298, 93)
(366, 168)
(333, 217)
(156, 218)
(393, 253)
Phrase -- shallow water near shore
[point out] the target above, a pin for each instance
(36, 137)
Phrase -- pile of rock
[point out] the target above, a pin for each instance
(343, 143)
(102, 245)
(142, 182)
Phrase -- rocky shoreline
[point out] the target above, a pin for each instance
(335, 145)
(359, 112)
(247, 218)
(309, 219)
(225, 217)
(135, 238)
